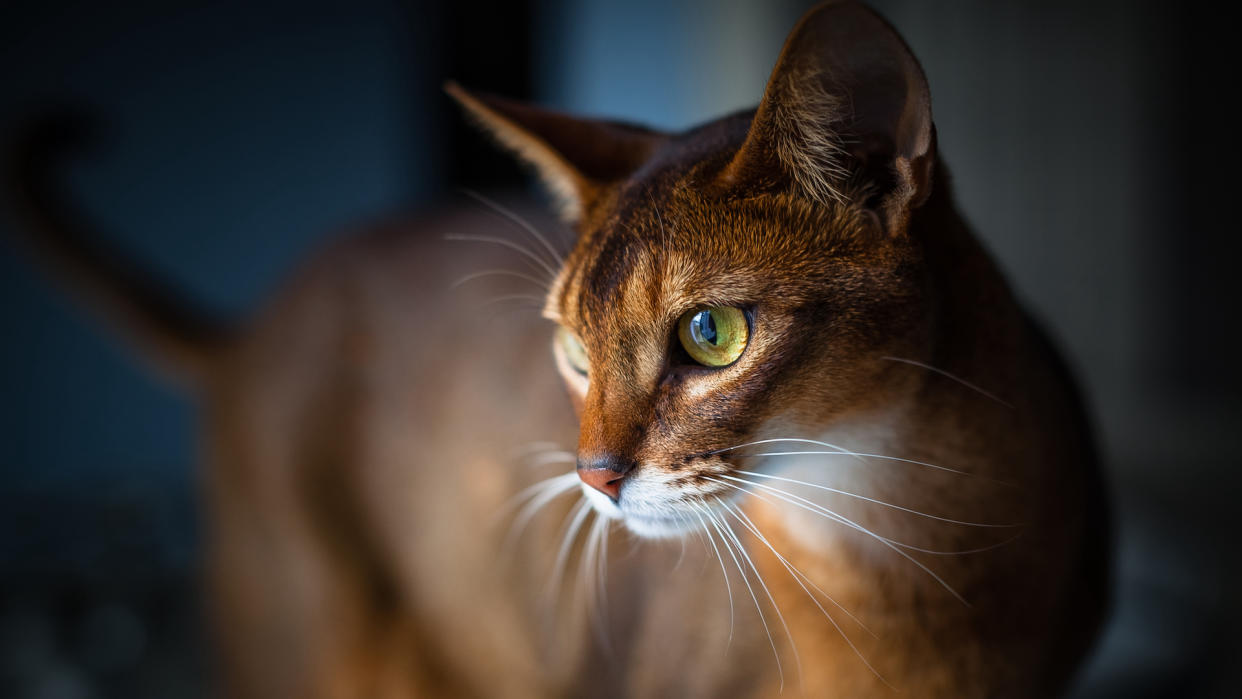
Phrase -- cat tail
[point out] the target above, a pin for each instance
(182, 340)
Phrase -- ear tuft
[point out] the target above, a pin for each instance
(806, 139)
(575, 158)
(846, 115)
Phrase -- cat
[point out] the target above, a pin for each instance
(847, 462)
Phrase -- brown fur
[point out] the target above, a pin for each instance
(359, 431)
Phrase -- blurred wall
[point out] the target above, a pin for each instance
(235, 135)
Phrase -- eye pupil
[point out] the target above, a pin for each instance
(705, 323)
(715, 336)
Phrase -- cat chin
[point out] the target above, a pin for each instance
(642, 525)
(603, 505)
(657, 527)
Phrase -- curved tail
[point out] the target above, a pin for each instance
(177, 336)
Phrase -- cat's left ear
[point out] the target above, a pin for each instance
(846, 113)
(577, 159)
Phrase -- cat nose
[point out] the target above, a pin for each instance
(604, 474)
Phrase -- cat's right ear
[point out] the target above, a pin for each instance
(846, 114)
(576, 158)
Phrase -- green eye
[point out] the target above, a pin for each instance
(715, 336)
(575, 353)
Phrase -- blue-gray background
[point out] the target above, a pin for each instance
(1085, 137)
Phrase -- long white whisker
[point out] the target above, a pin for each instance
(861, 456)
(793, 570)
(585, 583)
(758, 576)
(815, 507)
(559, 482)
(551, 488)
(839, 450)
(603, 568)
(539, 261)
(725, 574)
(699, 532)
(681, 557)
(831, 515)
(878, 502)
(592, 564)
(754, 598)
(953, 377)
(522, 222)
(538, 300)
(797, 575)
(578, 516)
(964, 552)
(500, 273)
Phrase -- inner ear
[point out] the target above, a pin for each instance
(576, 158)
(846, 115)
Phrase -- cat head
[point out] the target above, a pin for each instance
(744, 275)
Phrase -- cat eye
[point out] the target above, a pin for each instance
(574, 352)
(715, 336)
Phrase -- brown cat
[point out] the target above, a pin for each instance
(849, 463)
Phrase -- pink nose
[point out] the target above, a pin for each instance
(604, 473)
(605, 480)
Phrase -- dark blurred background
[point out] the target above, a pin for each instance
(1088, 141)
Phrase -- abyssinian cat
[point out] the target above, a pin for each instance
(820, 448)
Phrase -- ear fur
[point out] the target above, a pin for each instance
(847, 101)
(575, 158)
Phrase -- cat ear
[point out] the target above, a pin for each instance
(847, 105)
(576, 158)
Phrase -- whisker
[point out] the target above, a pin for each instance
(953, 377)
(834, 516)
(551, 488)
(499, 310)
(839, 450)
(597, 601)
(538, 300)
(861, 456)
(878, 502)
(698, 532)
(814, 507)
(754, 598)
(499, 273)
(725, 574)
(602, 566)
(759, 576)
(965, 552)
(537, 260)
(796, 575)
(558, 481)
(517, 302)
(515, 218)
(681, 557)
(793, 570)
(577, 516)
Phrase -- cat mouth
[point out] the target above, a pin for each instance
(657, 526)
(668, 522)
